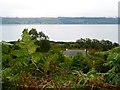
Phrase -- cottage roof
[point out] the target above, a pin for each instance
(73, 52)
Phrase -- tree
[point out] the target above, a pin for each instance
(44, 46)
(95, 44)
(81, 42)
(106, 45)
(41, 40)
(67, 45)
(33, 33)
(42, 36)
(22, 62)
(115, 45)
(88, 43)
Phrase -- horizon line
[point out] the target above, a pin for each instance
(63, 17)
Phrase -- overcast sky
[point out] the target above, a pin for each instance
(59, 8)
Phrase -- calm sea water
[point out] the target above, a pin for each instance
(64, 32)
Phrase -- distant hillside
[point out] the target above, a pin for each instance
(60, 20)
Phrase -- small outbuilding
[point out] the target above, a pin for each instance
(73, 52)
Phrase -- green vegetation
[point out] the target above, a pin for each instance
(34, 62)
(90, 44)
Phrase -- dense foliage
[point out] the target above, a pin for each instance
(87, 43)
(33, 62)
